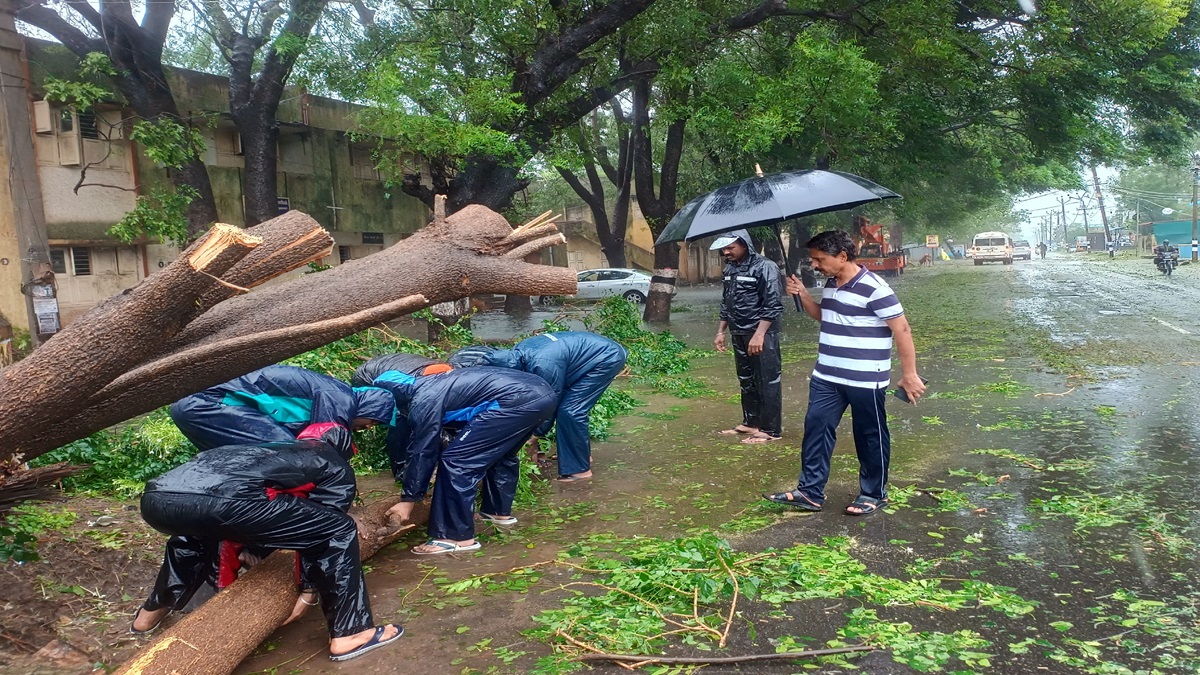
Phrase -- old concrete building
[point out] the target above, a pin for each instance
(61, 213)
(582, 251)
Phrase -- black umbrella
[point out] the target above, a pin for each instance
(769, 200)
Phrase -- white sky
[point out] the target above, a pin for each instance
(1041, 204)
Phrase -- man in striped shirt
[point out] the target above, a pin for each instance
(860, 318)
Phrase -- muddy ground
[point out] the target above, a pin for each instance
(1054, 459)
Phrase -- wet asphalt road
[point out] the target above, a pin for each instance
(1118, 428)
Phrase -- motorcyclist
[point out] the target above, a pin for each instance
(1165, 254)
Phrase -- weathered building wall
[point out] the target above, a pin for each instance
(322, 171)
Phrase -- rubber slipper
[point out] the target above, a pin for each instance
(151, 629)
(796, 499)
(498, 520)
(573, 478)
(866, 506)
(735, 431)
(760, 438)
(375, 642)
(446, 547)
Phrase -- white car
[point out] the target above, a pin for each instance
(1022, 250)
(633, 285)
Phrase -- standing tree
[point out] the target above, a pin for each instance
(135, 50)
(589, 147)
(260, 54)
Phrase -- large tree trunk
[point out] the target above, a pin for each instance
(659, 209)
(226, 629)
(156, 342)
(662, 284)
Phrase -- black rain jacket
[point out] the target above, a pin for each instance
(751, 294)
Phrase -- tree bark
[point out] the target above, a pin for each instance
(160, 340)
(659, 209)
(226, 629)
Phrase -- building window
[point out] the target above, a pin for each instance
(87, 126)
(344, 254)
(82, 260)
(66, 121)
(58, 260)
(362, 164)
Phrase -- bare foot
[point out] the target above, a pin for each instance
(585, 475)
(351, 642)
(739, 429)
(147, 620)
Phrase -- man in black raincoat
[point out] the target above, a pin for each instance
(290, 495)
(751, 308)
(578, 366)
(496, 411)
(277, 403)
(388, 366)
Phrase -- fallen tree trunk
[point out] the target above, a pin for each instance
(226, 629)
(198, 328)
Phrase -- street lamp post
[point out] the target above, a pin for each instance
(1195, 231)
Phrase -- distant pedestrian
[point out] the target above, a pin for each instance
(860, 315)
(1041, 247)
(751, 307)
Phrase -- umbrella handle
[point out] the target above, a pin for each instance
(787, 266)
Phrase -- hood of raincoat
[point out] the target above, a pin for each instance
(413, 364)
(375, 404)
(341, 439)
(504, 358)
(467, 357)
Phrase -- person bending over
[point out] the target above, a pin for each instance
(291, 495)
(579, 366)
(277, 403)
(495, 411)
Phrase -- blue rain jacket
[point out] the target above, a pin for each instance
(560, 359)
(450, 399)
(295, 398)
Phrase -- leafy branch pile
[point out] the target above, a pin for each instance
(658, 359)
(643, 596)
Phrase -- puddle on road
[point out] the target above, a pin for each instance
(1070, 493)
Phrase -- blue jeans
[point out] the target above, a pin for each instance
(826, 404)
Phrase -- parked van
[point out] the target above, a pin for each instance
(992, 247)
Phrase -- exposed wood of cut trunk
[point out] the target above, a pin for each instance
(112, 337)
(472, 251)
(219, 635)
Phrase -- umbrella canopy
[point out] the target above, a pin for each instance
(770, 199)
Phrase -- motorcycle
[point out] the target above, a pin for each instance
(1166, 261)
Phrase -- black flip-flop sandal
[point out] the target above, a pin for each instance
(377, 640)
(794, 498)
(866, 506)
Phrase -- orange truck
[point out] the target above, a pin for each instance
(874, 253)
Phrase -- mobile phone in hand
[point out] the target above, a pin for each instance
(903, 395)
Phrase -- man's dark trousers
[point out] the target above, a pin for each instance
(760, 379)
(827, 402)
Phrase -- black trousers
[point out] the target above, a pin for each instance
(325, 538)
(760, 378)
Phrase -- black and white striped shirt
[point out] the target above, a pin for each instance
(856, 342)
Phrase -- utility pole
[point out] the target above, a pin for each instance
(1195, 179)
(1063, 217)
(1104, 216)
